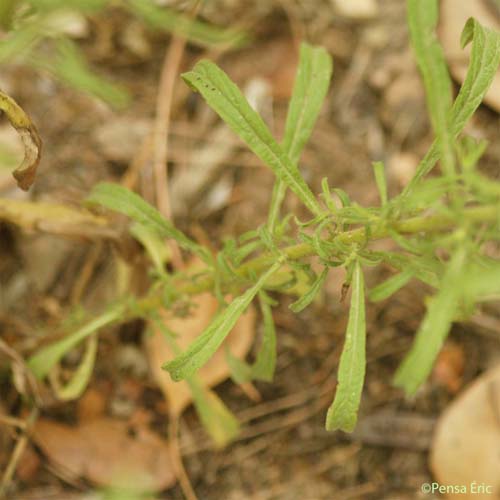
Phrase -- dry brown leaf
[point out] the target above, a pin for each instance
(466, 444)
(26, 171)
(216, 369)
(453, 19)
(107, 452)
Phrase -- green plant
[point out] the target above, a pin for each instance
(36, 34)
(442, 226)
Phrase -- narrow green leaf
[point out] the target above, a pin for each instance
(215, 416)
(7, 8)
(80, 379)
(311, 85)
(46, 358)
(174, 22)
(424, 268)
(422, 21)
(229, 103)
(434, 328)
(381, 181)
(343, 197)
(470, 150)
(308, 297)
(265, 363)
(343, 412)
(484, 61)
(86, 6)
(70, 66)
(18, 43)
(390, 286)
(482, 281)
(218, 420)
(158, 252)
(120, 199)
(309, 91)
(241, 371)
(483, 66)
(202, 349)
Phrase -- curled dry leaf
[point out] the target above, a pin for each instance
(453, 18)
(466, 444)
(216, 369)
(107, 452)
(24, 173)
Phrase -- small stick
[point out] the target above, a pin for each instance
(17, 453)
(176, 457)
(12, 421)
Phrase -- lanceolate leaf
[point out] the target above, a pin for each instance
(482, 281)
(229, 103)
(422, 20)
(484, 61)
(483, 66)
(175, 22)
(308, 297)
(309, 91)
(215, 416)
(434, 327)
(381, 181)
(217, 419)
(390, 286)
(80, 379)
(122, 200)
(265, 362)
(342, 414)
(44, 360)
(209, 341)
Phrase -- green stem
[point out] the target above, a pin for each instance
(41, 362)
(278, 196)
(6, 13)
(413, 225)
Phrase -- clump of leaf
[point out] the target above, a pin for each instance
(441, 225)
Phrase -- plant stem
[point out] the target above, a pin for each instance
(412, 225)
(190, 285)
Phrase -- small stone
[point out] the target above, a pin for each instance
(402, 167)
(356, 9)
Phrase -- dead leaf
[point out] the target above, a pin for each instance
(91, 405)
(449, 367)
(107, 452)
(55, 218)
(466, 444)
(11, 148)
(24, 173)
(452, 23)
(216, 369)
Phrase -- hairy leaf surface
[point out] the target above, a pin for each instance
(343, 412)
(209, 341)
(228, 102)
